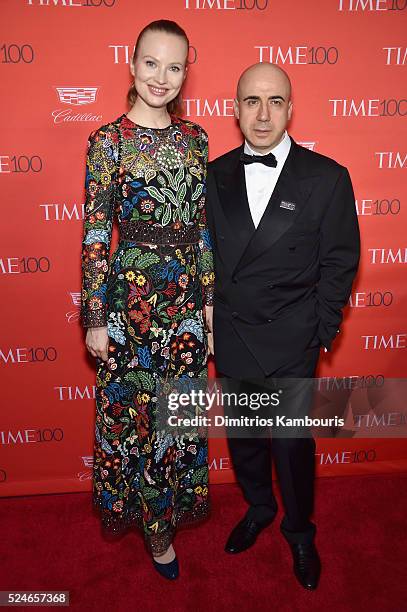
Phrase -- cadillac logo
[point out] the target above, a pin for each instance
(77, 96)
(75, 297)
(73, 315)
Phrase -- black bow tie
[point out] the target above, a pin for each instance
(268, 160)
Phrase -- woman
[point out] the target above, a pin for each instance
(144, 307)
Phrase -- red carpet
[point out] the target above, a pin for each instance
(53, 542)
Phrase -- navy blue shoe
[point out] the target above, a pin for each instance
(168, 570)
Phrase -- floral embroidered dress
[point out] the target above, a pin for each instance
(150, 294)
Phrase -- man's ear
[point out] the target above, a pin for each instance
(236, 108)
(290, 109)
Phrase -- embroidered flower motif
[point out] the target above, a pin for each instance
(133, 363)
(165, 352)
(95, 303)
(168, 157)
(183, 280)
(177, 136)
(141, 280)
(111, 363)
(146, 140)
(127, 134)
(147, 206)
(92, 188)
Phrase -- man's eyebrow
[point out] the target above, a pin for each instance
(258, 98)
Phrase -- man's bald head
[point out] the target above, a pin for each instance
(264, 71)
(263, 105)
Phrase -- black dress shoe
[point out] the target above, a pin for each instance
(307, 565)
(244, 535)
(168, 570)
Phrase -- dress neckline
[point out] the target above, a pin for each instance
(144, 127)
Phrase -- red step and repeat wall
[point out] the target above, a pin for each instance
(64, 72)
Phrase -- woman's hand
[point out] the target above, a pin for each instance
(97, 342)
(209, 327)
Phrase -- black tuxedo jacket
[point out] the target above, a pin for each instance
(280, 288)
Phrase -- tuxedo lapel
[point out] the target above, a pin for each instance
(287, 201)
(231, 185)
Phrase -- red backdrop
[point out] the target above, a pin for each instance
(64, 69)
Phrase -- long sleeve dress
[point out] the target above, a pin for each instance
(150, 294)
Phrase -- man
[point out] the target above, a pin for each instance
(286, 243)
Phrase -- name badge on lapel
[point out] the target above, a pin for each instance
(287, 205)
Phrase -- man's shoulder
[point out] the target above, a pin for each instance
(318, 162)
(224, 161)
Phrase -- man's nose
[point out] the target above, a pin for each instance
(264, 112)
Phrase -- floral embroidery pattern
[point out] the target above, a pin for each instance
(150, 296)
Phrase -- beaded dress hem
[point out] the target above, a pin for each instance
(158, 544)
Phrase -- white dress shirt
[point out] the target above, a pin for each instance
(261, 179)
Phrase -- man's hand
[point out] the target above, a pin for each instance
(208, 312)
(97, 342)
